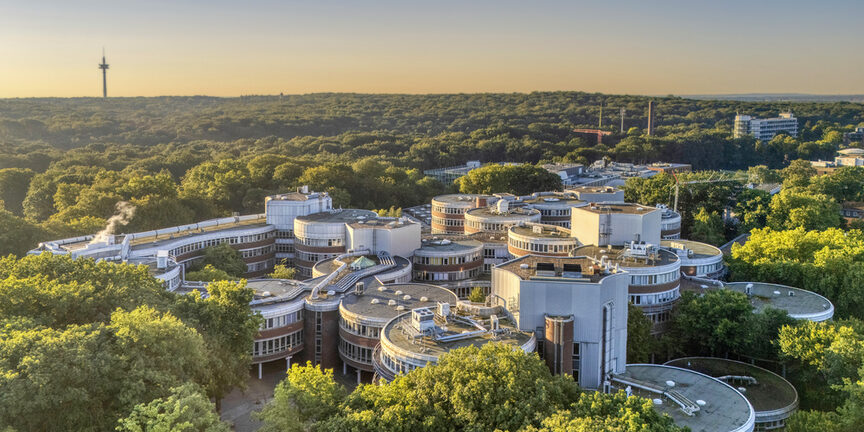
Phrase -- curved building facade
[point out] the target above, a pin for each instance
(282, 209)
(670, 224)
(323, 235)
(446, 259)
(448, 211)
(540, 239)
(554, 207)
(498, 218)
(699, 260)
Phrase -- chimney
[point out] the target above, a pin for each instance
(162, 259)
(358, 288)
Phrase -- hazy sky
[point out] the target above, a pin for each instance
(227, 48)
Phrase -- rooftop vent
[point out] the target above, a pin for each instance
(700, 402)
(776, 293)
(537, 229)
(406, 297)
(266, 294)
(670, 383)
(382, 288)
(375, 301)
(422, 319)
(400, 308)
(444, 309)
(398, 293)
(424, 299)
(331, 293)
(524, 266)
(391, 303)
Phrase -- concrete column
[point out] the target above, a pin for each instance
(359, 372)
(287, 363)
(344, 369)
(259, 370)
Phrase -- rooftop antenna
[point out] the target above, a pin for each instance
(104, 67)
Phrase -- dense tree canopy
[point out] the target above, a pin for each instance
(517, 180)
(88, 342)
(470, 389)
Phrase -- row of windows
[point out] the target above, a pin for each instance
(709, 268)
(462, 259)
(360, 329)
(259, 266)
(447, 276)
(252, 253)
(564, 224)
(448, 222)
(284, 248)
(659, 298)
(449, 210)
(541, 247)
(659, 317)
(483, 226)
(555, 212)
(320, 242)
(397, 365)
(278, 344)
(464, 292)
(670, 226)
(313, 257)
(282, 320)
(304, 272)
(655, 279)
(213, 242)
(354, 352)
(285, 234)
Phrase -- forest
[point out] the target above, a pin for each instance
(65, 163)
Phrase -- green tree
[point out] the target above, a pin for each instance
(615, 412)
(222, 183)
(13, 188)
(752, 207)
(281, 271)
(792, 209)
(761, 174)
(640, 343)
(229, 327)
(798, 174)
(713, 324)
(515, 179)
(17, 235)
(707, 228)
(186, 409)
(225, 258)
(477, 295)
(308, 395)
(208, 274)
(844, 184)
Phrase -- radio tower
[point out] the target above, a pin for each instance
(104, 67)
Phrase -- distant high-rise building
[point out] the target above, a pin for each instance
(104, 67)
(650, 118)
(765, 129)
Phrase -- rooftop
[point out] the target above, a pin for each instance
(374, 303)
(724, 409)
(801, 304)
(625, 257)
(488, 237)
(518, 213)
(594, 189)
(339, 216)
(541, 231)
(700, 250)
(295, 196)
(381, 223)
(275, 289)
(580, 269)
(768, 393)
(440, 243)
(468, 199)
(562, 199)
(620, 208)
(457, 324)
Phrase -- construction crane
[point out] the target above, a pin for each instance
(718, 177)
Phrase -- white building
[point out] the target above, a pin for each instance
(616, 224)
(765, 129)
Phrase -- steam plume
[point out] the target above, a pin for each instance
(124, 213)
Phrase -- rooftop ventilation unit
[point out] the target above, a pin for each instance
(391, 302)
(422, 319)
(537, 229)
(493, 323)
(444, 309)
(162, 259)
(502, 206)
(545, 269)
(358, 288)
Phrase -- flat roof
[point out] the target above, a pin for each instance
(801, 305)
(170, 238)
(381, 223)
(296, 196)
(618, 208)
(448, 244)
(562, 199)
(619, 254)
(373, 303)
(595, 189)
(488, 237)
(512, 213)
(275, 287)
(725, 409)
(339, 215)
(770, 391)
(461, 198)
(546, 231)
(395, 332)
(525, 267)
(700, 250)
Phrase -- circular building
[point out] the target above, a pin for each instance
(364, 312)
(798, 303)
(445, 259)
(692, 399)
(670, 223)
(322, 235)
(773, 398)
(597, 193)
(448, 211)
(699, 260)
(554, 207)
(281, 304)
(540, 239)
(498, 218)
(655, 277)
(420, 336)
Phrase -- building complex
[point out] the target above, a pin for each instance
(765, 129)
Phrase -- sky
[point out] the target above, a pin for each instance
(230, 48)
